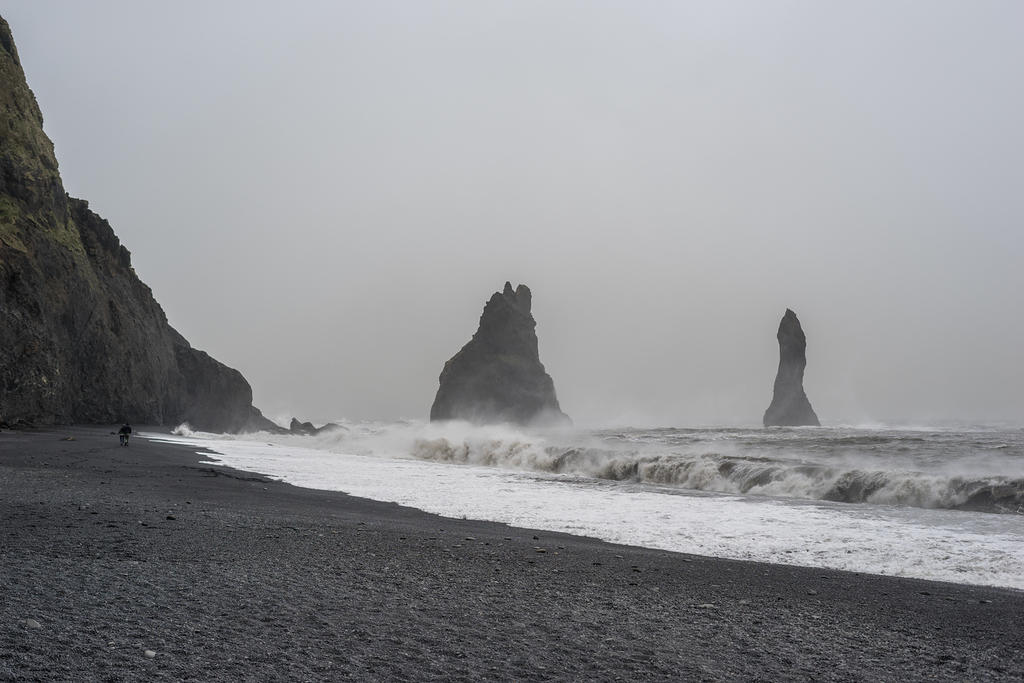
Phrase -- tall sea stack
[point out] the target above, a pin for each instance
(81, 337)
(497, 376)
(790, 407)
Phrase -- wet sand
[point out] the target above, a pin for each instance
(107, 553)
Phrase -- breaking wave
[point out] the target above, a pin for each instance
(632, 486)
(974, 470)
(874, 479)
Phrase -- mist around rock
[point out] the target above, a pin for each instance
(790, 406)
(497, 376)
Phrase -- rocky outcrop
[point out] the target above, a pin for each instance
(790, 407)
(309, 429)
(81, 337)
(301, 428)
(497, 376)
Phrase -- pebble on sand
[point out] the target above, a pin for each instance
(150, 654)
(32, 623)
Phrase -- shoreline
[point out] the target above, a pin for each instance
(456, 472)
(224, 574)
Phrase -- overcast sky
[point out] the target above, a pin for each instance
(324, 194)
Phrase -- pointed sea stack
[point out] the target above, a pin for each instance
(790, 407)
(497, 376)
(81, 337)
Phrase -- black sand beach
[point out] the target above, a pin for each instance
(107, 553)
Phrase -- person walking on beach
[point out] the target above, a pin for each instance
(124, 433)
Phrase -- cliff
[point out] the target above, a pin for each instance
(790, 406)
(497, 376)
(81, 337)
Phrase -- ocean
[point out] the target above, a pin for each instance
(944, 504)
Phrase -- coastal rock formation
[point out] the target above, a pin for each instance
(790, 407)
(300, 428)
(81, 337)
(497, 376)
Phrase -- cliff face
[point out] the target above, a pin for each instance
(497, 376)
(81, 337)
(790, 407)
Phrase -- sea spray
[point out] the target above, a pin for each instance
(975, 470)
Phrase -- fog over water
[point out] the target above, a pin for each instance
(324, 194)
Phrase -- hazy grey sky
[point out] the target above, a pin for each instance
(324, 194)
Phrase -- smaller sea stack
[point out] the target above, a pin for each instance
(497, 376)
(790, 407)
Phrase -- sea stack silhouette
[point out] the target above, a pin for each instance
(497, 377)
(82, 340)
(790, 407)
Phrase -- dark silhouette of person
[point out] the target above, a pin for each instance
(124, 433)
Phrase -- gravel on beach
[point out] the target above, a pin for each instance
(143, 562)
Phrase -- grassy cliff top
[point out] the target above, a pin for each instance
(31, 193)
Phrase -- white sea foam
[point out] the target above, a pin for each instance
(930, 470)
(505, 475)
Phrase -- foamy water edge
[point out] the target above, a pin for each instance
(961, 547)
